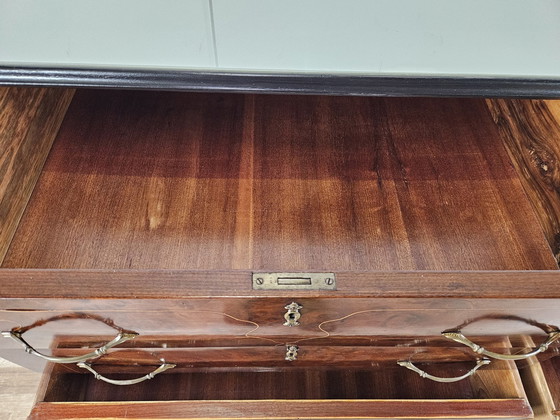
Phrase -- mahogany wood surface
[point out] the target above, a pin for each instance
(29, 122)
(209, 341)
(287, 409)
(220, 182)
(264, 317)
(140, 186)
(272, 357)
(300, 384)
(551, 370)
(409, 321)
(211, 352)
(17, 285)
(536, 386)
(531, 132)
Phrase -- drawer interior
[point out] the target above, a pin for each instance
(287, 393)
(215, 182)
(160, 180)
(542, 383)
(333, 393)
(318, 383)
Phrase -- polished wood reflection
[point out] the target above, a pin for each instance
(530, 130)
(29, 122)
(214, 181)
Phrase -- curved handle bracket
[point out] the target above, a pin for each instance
(162, 368)
(459, 337)
(423, 374)
(120, 338)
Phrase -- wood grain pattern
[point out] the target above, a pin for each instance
(220, 182)
(18, 286)
(273, 357)
(287, 409)
(269, 335)
(551, 371)
(388, 383)
(29, 122)
(326, 316)
(535, 385)
(531, 133)
(205, 341)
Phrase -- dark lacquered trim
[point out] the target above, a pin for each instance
(281, 83)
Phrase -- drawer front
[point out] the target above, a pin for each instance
(319, 318)
(342, 331)
(289, 409)
(105, 33)
(320, 392)
(350, 336)
(353, 315)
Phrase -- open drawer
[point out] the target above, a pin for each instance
(191, 378)
(160, 212)
(320, 392)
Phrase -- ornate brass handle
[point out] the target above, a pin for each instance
(162, 368)
(120, 338)
(460, 338)
(423, 374)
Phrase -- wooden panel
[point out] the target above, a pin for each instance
(531, 133)
(272, 355)
(18, 288)
(370, 184)
(146, 180)
(325, 315)
(535, 385)
(288, 409)
(365, 383)
(551, 371)
(218, 182)
(205, 341)
(29, 121)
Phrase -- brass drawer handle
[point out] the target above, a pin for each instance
(120, 338)
(460, 338)
(162, 368)
(423, 374)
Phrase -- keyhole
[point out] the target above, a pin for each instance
(291, 353)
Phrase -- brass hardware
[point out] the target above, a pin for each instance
(294, 281)
(293, 315)
(162, 368)
(460, 338)
(120, 338)
(291, 353)
(423, 374)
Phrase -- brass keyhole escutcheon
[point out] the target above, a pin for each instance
(293, 315)
(291, 353)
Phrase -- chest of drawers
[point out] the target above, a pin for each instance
(162, 220)
(227, 254)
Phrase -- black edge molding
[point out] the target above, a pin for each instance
(317, 84)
